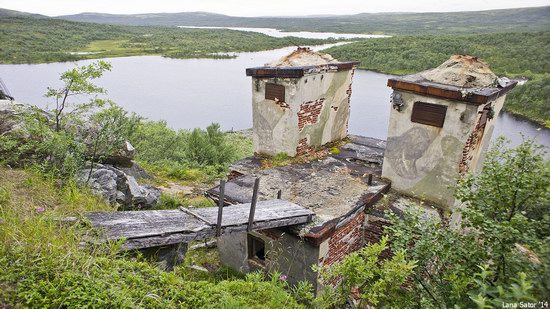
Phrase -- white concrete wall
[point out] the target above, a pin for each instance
(275, 128)
(423, 160)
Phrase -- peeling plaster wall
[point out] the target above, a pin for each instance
(317, 112)
(423, 160)
(477, 162)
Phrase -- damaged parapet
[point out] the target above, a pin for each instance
(300, 102)
(441, 122)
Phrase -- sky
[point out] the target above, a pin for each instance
(260, 7)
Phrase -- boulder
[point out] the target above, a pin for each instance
(12, 119)
(122, 156)
(135, 170)
(119, 188)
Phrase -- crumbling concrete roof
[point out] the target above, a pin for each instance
(302, 57)
(462, 71)
(332, 187)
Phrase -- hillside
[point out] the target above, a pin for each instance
(12, 13)
(522, 19)
(39, 40)
(509, 54)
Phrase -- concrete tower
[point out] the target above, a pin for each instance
(441, 123)
(300, 102)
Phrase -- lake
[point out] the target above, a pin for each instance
(190, 93)
(300, 34)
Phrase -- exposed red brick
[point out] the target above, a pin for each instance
(345, 240)
(309, 112)
(304, 147)
(472, 143)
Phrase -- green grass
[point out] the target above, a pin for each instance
(47, 264)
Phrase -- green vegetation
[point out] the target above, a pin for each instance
(43, 264)
(189, 155)
(38, 40)
(526, 19)
(499, 253)
(510, 54)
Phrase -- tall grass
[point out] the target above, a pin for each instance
(45, 262)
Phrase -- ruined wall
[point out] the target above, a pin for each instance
(478, 156)
(316, 112)
(424, 160)
(285, 253)
(345, 240)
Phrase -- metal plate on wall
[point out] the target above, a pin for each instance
(429, 114)
(274, 92)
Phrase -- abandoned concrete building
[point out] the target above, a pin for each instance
(329, 201)
(440, 124)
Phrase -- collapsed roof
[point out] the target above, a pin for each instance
(301, 57)
(462, 71)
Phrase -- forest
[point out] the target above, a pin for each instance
(508, 54)
(39, 40)
(507, 20)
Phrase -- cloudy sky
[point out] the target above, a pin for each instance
(259, 7)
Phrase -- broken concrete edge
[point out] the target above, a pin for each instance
(296, 72)
(318, 234)
(476, 96)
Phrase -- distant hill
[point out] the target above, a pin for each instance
(508, 20)
(12, 13)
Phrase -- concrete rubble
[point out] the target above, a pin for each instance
(303, 57)
(462, 71)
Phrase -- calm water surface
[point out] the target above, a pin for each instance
(301, 34)
(193, 93)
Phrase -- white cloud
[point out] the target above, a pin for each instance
(259, 8)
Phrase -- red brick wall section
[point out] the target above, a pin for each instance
(345, 240)
(304, 147)
(374, 230)
(309, 112)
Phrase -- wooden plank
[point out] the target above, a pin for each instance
(265, 211)
(196, 215)
(155, 241)
(144, 229)
(132, 224)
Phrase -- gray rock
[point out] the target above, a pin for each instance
(122, 156)
(117, 187)
(136, 171)
(12, 120)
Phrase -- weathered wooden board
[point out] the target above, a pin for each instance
(144, 229)
(134, 224)
(265, 211)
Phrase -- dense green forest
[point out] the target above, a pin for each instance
(38, 40)
(509, 54)
(526, 19)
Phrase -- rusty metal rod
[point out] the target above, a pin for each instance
(253, 204)
(369, 181)
(279, 194)
(220, 208)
